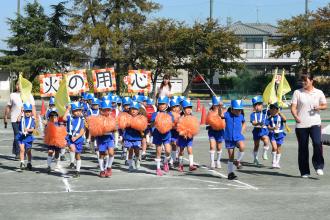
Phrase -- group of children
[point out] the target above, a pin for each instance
(268, 127)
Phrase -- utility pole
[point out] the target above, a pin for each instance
(211, 10)
(306, 7)
(18, 7)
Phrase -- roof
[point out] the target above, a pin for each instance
(253, 29)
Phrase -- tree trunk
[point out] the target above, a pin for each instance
(190, 81)
(154, 82)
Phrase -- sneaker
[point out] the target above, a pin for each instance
(108, 173)
(22, 166)
(102, 174)
(180, 169)
(218, 165)
(126, 162)
(238, 164)
(319, 172)
(166, 168)
(274, 165)
(232, 176)
(256, 162)
(48, 170)
(265, 156)
(278, 166)
(192, 168)
(305, 176)
(171, 166)
(71, 166)
(76, 174)
(159, 172)
(29, 166)
(123, 156)
(137, 164)
(130, 169)
(62, 158)
(144, 157)
(212, 165)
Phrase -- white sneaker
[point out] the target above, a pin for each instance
(319, 172)
(305, 176)
(212, 166)
(218, 165)
(137, 164)
(265, 156)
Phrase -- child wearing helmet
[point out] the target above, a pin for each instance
(174, 109)
(93, 111)
(235, 126)
(25, 137)
(76, 131)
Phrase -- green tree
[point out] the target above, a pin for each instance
(309, 35)
(32, 52)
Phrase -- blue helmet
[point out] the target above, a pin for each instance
(186, 104)
(163, 100)
(145, 98)
(105, 98)
(119, 100)
(150, 101)
(237, 104)
(52, 101)
(95, 101)
(135, 105)
(174, 97)
(90, 96)
(174, 102)
(274, 105)
(138, 98)
(181, 98)
(106, 104)
(216, 100)
(126, 101)
(84, 96)
(27, 106)
(113, 99)
(76, 106)
(257, 99)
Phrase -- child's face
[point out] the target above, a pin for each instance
(77, 113)
(176, 109)
(258, 107)
(273, 111)
(95, 106)
(53, 119)
(105, 112)
(216, 107)
(134, 111)
(126, 107)
(114, 104)
(187, 111)
(236, 111)
(162, 107)
(27, 113)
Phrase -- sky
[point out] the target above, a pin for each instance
(249, 11)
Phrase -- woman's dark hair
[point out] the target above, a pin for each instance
(163, 84)
(53, 114)
(15, 83)
(306, 76)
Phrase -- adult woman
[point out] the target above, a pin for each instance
(165, 87)
(14, 107)
(306, 105)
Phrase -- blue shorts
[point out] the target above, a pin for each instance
(26, 140)
(77, 142)
(159, 139)
(132, 144)
(185, 142)
(78, 147)
(258, 133)
(278, 138)
(174, 136)
(105, 142)
(216, 135)
(54, 148)
(231, 144)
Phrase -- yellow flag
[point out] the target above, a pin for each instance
(25, 88)
(62, 98)
(269, 95)
(283, 88)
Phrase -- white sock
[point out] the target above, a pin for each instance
(78, 165)
(62, 151)
(278, 157)
(173, 155)
(166, 159)
(143, 152)
(57, 162)
(130, 162)
(148, 138)
(72, 154)
(240, 156)
(116, 138)
(191, 159)
(230, 167)
(101, 163)
(274, 157)
(212, 155)
(127, 155)
(110, 161)
(124, 149)
(49, 161)
(219, 155)
(181, 160)
(95, 144)
(255, 155)
(266, 148)
(97, 154)
(158, 163)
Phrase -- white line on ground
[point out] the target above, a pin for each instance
(224, 176)
(66, 184)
